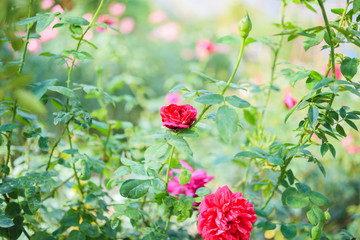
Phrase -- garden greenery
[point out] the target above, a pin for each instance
(72, 173)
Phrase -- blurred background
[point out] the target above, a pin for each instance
(157, 46)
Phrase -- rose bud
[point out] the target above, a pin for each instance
(245, 26)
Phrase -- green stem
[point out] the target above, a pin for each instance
(8, 146)
(276, 54)
(243, 182)
(56, 188)
(344, 14)
(236, 67)
(55, 145)
(167, 222)
(206, 107)
(80, 40)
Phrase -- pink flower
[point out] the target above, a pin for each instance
(174, 98)
(117, 9)
(57, 8)
(168, 32)
(338, 74)
(157, 17)
(349, 139)
(204, 48)
(178, 116)
(198, 180)
(45, 4)
(88, 16)
(225, 216)
(106, 19)
(289, 101)
(34, 45)
(127, 25)
(352, 149)
(49, 33)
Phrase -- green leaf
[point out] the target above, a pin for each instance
(297, 200)
(179, 87)
(356, 6)
(43, 143)
(237, 102)
(288, 231)
(313, 41)
(76, 235)
(6, 188)
(351, 124)
(313, 114)
(315, 215)
(29, 101)
(332, 150)
(275, 160)
(6, 222)
(205, 76)
(185, 176)
(64, 91)
(210, 99)
(90, 230)
(179, 143)
(201, 192)
(33, 198)
(226, 121)
(156, 151)
(302, 187)
(316, 232)
(134, 188)
(319, 199)
(340, 130)
(349, 67)
(248, 154)
(324, 148)
(229, 40)
(287, 193)
(8, 127)
(85, 173)
(29, 20)
(40, 89)
(12, 209)
(43, 21)
(298, 76)
(74, 20)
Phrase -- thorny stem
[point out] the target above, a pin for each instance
(206, 107)
(332, 58)
(276, 54)
(169, 164)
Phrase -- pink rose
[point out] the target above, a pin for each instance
(204, 48)
(57, 8)
(289, 101)
(106, 19)
(45, 4)
(34, 45)
(174, 98)
(157, 17)
(117, 9)
(352, 149)
(127, 25)
(168, 32)
(178, 116)
(225, 216)
(349, 139)
(198, 180)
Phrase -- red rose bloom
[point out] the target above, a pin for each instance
(225, 216)
(178, 116)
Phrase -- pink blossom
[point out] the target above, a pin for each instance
(157, 17)
(352, 149)
(34, 45)
(106, 19)
(57, 8)
(127, 25)
(45, 4)
(338, 74)
(204, 48)
(174, 98)
(49, 33)
(89, 35)
(117, 9)
(198, 179)
(349, 139)
(225, 215)
(289, 101)
(168, 32)
(88, 16)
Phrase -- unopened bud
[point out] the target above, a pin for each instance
(245, 26)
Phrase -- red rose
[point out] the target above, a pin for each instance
(178, 116)
(225, 216)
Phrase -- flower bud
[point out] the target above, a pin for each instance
(245, 26)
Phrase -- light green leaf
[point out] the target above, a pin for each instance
(210, 99)
(185, 176)
(226, 121)
(349, 67)
(229, 40)
(237, 102)
(319, 199)
(179, 143)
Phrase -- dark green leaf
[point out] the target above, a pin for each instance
(76, 235)
(340, 130)
(8, 127)
(319, 199)
(349, 67)
(64, 91)
(5, 222)
(275, 160)
(313, 114)
(288, 231)
(134, 188)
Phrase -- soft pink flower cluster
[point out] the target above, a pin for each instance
(289, 100)
(204, 48)
(349, 145)
(167, 31)
(198, 180)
